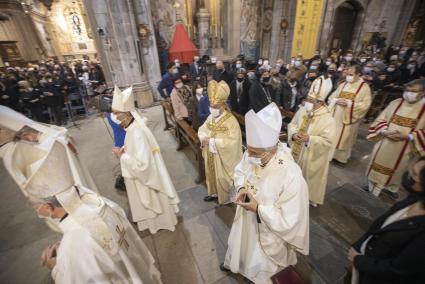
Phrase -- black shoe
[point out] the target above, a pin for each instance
(393, 195)
(223, 268)
(365, 188)
(120, 184)
(209, 198)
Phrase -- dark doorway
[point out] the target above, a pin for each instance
(345, 20)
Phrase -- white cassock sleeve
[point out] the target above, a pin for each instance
(242, 172)
(288, 216)
(137, 163)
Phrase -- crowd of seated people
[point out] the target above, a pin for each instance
(45, 85)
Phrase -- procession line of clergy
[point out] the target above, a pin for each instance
(98, 244)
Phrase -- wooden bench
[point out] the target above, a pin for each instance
(185, 135)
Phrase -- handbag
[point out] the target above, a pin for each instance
(287, 276)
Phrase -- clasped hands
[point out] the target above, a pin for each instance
(394, 135)
(341, 102)
(48, 256)
(301, 137)
(118, 152)
(352, 253)
(250, 205)
(205, 142)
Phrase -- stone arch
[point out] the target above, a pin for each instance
(329, 26)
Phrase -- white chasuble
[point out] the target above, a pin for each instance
(390, 159)
(151, 193)
(259, 250)
(82, 259)
(313, 156)
(223, 153)
(348, 118)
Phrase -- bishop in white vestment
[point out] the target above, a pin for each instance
(272, 220)
(311, 135)
(99, 245)
(151, 193)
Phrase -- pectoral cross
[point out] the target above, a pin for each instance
(122, 241)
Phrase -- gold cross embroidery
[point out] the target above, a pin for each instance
(122, 241)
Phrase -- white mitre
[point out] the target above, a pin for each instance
(123, 101)
(52, 176)
(263, 127)
(12, 120)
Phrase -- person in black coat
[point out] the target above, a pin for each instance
(393, 248)
(53, 98)
(195, 69)
(261, 93)
(31, 100)
(239, 92)
(221, 74)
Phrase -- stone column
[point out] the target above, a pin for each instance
(116, 37)
(232, 32)
(203, 30)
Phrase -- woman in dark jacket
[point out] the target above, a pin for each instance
(392, 250)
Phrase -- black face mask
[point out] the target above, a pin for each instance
(265, 79)
(407, 182)
(240, 79)
(312, 78)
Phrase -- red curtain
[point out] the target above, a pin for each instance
(182, 47)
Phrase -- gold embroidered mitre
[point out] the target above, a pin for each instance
(218, 92)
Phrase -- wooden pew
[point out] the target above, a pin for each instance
(185, 135)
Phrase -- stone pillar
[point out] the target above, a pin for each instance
(116, 37)
(203, 30)
(232, 34)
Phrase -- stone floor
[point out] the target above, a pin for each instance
(194, 251)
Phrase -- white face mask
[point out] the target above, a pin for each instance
(328, 63)
(362, 60)
(266, 62)
(349, 78)
(199, 91)
(308, 106)
(411, 66)
(215, 112)
(260, 62)
(410, 96)
(390, 69)
(292, 62)
(254, 161)
(340, 69)
(238, 65)
(177, 64)
(348, 58)
(114, 118)
(174, 71)
(297, 63)
(313, 67)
